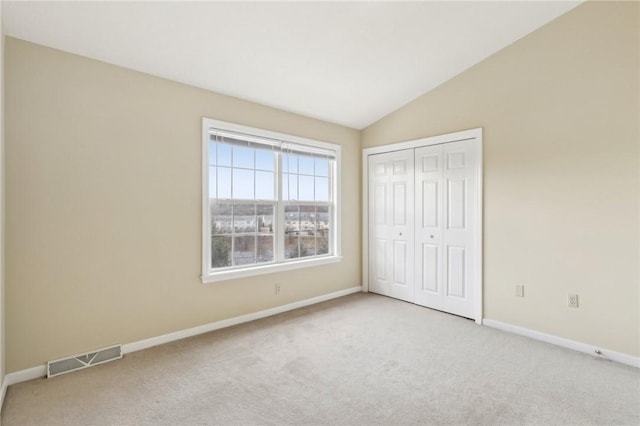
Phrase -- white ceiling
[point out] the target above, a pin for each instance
(349, 63)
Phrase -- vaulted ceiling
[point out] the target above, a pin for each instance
(349, 63)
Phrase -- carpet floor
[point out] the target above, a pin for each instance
(358, 360)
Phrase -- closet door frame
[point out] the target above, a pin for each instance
(471, 134)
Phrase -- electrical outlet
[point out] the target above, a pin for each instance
(519, 291)
(572, 300)
(276, 289)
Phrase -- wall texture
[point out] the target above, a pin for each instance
(103, 191)
(104, 207)
(560, 113)
(2, 204)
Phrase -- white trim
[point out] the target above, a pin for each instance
(417, 143)
(25, 375)
(565, 343)
(365, 220)
(431, 140)
(41, 370)
(336, 227)
(189, 332)
(479, 231)
(3, 393)
(270, 268)
(206, 225)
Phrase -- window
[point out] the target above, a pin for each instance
(270, 201)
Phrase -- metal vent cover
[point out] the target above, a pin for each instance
(82, 361)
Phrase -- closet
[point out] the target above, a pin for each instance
(424, 222)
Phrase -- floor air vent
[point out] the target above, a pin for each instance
(86, 360)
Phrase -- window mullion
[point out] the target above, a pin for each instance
(279, 229)
(255, 210)
(233, 230)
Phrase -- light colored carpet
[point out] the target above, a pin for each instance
(359, 360)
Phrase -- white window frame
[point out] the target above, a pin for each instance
(210, 275)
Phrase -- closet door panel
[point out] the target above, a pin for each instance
(380, 268)
(391, 241)
(459, 231)
(456, 203)
(429, 221)
(430, 268)
(456, 272)
(430, 203)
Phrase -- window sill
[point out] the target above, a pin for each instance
(268, 269)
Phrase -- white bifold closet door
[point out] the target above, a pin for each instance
(391, 184)
(431, 256)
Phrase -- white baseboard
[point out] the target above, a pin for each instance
(41, 370)
(24, 375)
(565, 343)
(189, 332)
(3, 392)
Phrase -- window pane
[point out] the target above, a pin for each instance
(224, 182)
(224, 154)
(322, 217)
(305, 189)
(307, 219)
(291, 218)
(265, 248)
(243, 157)
(322, 189)
(306, 165)
(212, 182)
(307, 246)
(220, 252)
(322, 241)
(265, 218)
(290, 162)
(244, 218)
(243, 184)
(291, 250)
(221, 219)
(264, 185)
(244, 250)
(290, 187)
(322, 167)
(322, 233)
(265, 160)
(212, 153)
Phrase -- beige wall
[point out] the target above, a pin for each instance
(560, 113)
(2, 322)
(104, 212)
(103, 189)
